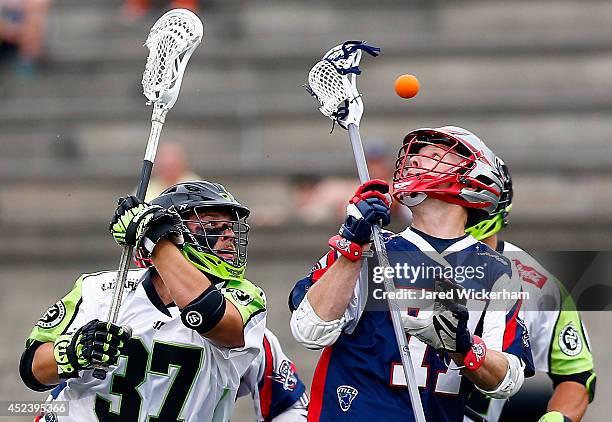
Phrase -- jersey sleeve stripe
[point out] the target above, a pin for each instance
(318, 386)
(511, 325)
(265, 391)
(330, 258)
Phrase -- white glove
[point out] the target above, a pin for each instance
(446, 329)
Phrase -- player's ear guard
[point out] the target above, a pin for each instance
(204, 312)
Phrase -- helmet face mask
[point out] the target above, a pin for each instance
(219, 232)
(214, 227)
(450, 164)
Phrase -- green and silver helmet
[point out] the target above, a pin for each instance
(213, 243)
(499, 218)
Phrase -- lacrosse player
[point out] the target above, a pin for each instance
(450, 180)
(272, 381)
(559, 340)
(188, 328)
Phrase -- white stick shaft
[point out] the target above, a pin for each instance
(389, 283)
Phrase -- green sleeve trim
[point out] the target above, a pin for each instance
(590, 386)
(58, 317)
(569, 349)
(248, 298)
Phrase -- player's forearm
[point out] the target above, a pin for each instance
(571, 399)
(186, 283)
(490, 374)
(330, 296)
(44, 367)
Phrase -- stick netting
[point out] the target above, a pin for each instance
(170, 37)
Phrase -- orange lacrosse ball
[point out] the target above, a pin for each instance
(406, 86)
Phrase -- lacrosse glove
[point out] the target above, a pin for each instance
(369, 206)
(446, 329)
(94, 343)
(137, 223)
(554, 417)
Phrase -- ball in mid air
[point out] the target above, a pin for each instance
(406, 86)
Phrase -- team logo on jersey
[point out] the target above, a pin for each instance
(346, 395)
(529, 274)
(129, 284)
(53, 316)
(569, 340)
(525, 334)
(193, 318)
(240, 296)
(51, 417)
(285, 375)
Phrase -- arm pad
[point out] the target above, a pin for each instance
(512, 382)
(310, 330)
(205, 311)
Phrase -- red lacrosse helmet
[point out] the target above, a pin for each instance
(459, 169)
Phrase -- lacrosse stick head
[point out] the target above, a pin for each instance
(333, 81)
(172, 40)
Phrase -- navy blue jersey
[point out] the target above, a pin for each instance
(360, 376)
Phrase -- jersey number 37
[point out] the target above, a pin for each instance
(186, 361)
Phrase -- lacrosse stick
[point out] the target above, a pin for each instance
(333, 81)
(172, 40)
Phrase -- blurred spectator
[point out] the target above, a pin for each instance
(318, 200)
(171, 167)
(134, 9)
(22, 28)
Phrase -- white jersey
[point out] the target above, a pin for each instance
(168, 371)
(559, 341)
(274, 385)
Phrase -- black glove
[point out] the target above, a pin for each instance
(369, 206)
(94, 343)
(137, 223)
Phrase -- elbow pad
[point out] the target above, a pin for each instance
(512, 382)
(310, 330)
(204, 312)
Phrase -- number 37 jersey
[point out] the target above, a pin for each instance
(167, 371)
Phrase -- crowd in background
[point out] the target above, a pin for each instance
(23, 26)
